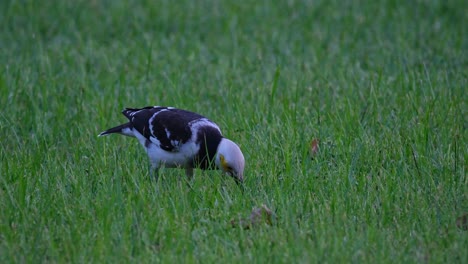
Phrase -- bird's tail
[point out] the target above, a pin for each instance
(124, 129)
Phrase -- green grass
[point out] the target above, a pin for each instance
(382, 84)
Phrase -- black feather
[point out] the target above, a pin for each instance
(170, 126)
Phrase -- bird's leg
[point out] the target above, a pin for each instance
(189, 173)
(154, 173)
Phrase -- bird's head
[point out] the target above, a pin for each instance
(230, 159)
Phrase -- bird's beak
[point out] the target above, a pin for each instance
(240, 182)
(241, 185)
(240, 178)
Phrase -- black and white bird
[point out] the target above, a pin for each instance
(178, 138)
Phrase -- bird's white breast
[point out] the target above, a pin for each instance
(158, 156)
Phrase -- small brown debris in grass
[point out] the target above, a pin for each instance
(462, 222)
(314, 147)
(258, 216)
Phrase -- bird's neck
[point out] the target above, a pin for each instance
(208, 140)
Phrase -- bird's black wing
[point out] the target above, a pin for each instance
(165, 126)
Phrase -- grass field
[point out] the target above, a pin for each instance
(381, 84)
